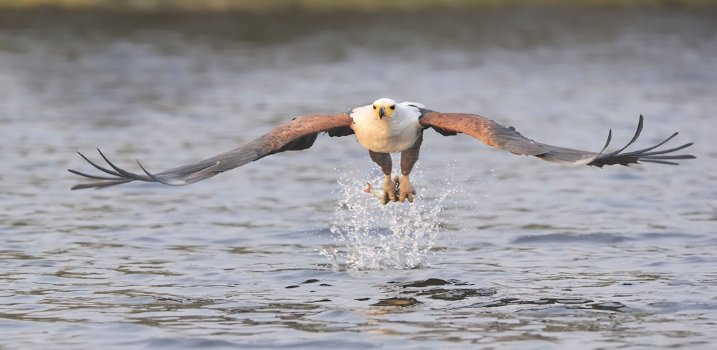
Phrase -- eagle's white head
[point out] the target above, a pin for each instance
(384, 107)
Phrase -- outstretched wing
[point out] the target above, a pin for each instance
(496, 135)
(298, 134)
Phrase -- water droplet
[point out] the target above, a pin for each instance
(372, 236)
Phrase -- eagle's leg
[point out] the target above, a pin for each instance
(408, 159)
(389, 185)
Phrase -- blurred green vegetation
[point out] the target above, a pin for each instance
(323, 5)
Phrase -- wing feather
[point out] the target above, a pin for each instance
(496, 135)
(297, 134)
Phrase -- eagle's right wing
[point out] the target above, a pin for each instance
(298, 134)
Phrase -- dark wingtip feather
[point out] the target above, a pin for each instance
(634, 138)
(607, 143)
(99, 167)
(152, 176)
(658, 162)
(125, 173)
(99, 185)
(119, 176)
(642, 155)
(89, 176)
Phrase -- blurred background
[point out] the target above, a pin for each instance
(322, 5)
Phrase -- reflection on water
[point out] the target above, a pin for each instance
(504, 251)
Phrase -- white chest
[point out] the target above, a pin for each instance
(388, 135)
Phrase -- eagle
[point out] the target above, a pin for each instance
(383, 127)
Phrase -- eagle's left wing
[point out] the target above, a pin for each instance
(496, 135)
(297, 134)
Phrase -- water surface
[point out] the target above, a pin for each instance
(499, 251)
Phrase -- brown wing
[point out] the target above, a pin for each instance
(298, 134)
(496, 135)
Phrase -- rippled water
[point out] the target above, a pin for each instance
(512, 252)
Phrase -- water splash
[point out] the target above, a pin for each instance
(372, 236)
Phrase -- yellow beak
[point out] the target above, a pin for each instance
(381, 113)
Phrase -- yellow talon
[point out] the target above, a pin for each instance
(389, 190)
(405, 190)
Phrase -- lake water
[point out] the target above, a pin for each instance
(498, 251)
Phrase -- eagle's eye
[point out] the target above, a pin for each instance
(374, 106)
(392, 107)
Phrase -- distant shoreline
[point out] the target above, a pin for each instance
(327, 5)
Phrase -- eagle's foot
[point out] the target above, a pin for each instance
(405, 190)
(389, 190)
